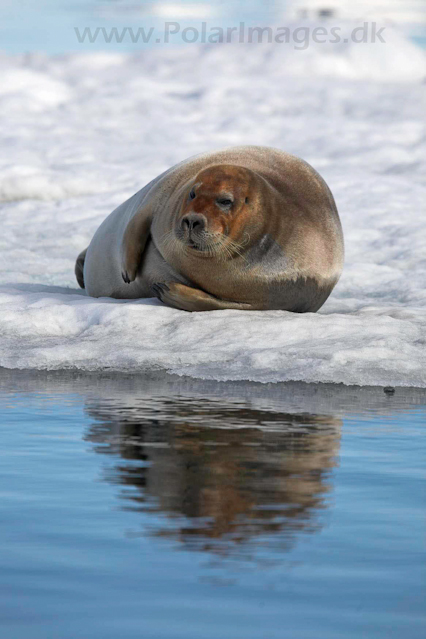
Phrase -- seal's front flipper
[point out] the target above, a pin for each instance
(134, 241)
(190, 299)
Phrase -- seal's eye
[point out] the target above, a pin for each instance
(192, 194)
(226, 203)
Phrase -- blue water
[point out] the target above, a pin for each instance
(171, 508)
(49, 25)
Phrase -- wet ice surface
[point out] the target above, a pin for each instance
(179, 508)
(81, 133)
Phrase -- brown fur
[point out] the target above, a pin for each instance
(248, 228)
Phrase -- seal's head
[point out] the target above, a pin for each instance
(215, 211)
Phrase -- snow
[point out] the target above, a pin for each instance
(81, 133)
(396, 11)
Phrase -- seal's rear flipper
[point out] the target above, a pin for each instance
(79, 268)
(134, 241)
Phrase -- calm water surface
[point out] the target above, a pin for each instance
(49, 25)
(171, 508)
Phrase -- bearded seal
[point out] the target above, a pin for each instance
(248, 227)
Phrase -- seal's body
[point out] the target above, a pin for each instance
(247, 228)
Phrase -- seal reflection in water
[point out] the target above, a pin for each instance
(249, 228)
(223, 473)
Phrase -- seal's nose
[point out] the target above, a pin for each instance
(193, 222)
